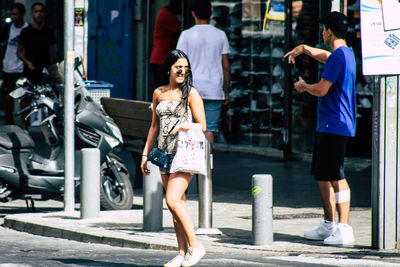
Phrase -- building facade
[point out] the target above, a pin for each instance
(114, 39)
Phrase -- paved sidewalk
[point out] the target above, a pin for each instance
(124, 228)
(296, 210)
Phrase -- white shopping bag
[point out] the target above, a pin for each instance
(190, 156)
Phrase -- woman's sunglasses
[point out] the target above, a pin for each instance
(180, 71)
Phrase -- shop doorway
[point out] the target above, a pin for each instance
(111, 46)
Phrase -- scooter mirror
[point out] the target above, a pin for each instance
(18, 93)
(20, 82)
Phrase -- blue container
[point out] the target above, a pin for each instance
(98, 89)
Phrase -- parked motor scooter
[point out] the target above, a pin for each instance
(24, 172)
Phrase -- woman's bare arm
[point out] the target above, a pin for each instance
(153, 133)
(197, 108)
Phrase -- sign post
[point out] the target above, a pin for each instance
(380, 36)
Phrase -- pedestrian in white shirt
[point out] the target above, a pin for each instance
(13, 67)
(208, 51)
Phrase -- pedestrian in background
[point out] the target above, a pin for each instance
(165, 36)
(36, 45)
(173, 106)
(208, 50)
(336, 123)
(13, 67)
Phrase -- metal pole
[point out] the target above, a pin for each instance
(147, 51)
(287, 133)
(262, 209)
(69, 144)
(205, 192)
(205, 196)
(385, 186)
(378, 160)
(152, 200)
(90, 183)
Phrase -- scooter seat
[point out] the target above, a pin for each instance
(10, 128)
(16, 140)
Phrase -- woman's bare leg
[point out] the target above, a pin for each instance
(180, 234)
(175, 192)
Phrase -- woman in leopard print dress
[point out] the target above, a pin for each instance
(173, 106)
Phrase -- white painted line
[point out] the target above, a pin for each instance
(332, 261)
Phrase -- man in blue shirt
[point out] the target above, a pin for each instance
(336, 123)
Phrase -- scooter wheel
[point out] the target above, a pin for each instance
(116, 193)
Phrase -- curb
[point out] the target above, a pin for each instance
(80, 236)
(82, 231)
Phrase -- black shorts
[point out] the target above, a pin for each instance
(9, 80)
(328, 157)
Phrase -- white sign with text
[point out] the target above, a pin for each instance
(380, 36)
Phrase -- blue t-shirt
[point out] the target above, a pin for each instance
(337, 109)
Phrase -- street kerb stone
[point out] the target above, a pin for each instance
(71, 235)
(48, 231)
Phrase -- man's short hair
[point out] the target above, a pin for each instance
(337, 22)
(37, 4)
(18, 6)
(201, 8)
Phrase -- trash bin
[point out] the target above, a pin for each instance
(98, 89)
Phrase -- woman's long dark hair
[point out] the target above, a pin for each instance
(170, 60)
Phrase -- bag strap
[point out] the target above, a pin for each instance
(164, 144)
(173, 127)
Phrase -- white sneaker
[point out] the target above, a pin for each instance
(320, 233)
(193, 255)
(175, 262)
(342, 236)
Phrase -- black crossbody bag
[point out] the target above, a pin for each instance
(158, 156)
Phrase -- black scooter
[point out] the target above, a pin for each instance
(26, 174)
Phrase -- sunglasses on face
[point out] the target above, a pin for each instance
(180, 71)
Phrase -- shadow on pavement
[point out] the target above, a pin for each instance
(292, 182)
(99, 263)
(234, 236)
(7, 210)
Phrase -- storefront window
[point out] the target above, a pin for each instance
(361, 144)
(256, 33)
(255, 114)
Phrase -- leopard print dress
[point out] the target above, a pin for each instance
(170, 116)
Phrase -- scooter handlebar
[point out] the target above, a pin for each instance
(23, 110)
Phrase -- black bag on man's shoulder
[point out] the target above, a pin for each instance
(159, 157)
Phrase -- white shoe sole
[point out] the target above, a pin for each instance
(347, 244)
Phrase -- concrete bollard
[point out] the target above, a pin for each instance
(262, 209)
(205, 192)
(90, 183)
(205, 197)
(152, 200)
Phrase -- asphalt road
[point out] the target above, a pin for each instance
(19, 249)
(22, 249)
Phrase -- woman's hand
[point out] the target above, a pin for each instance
(183, 126)
(143, 165)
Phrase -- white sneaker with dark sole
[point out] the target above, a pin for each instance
(175, 262)
(320, 233)
(343, 236)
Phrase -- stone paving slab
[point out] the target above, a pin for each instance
(124, 228)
